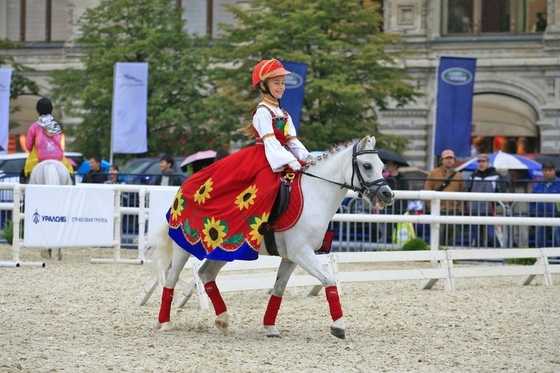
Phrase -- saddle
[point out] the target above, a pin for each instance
(281, 204)
(285, 213)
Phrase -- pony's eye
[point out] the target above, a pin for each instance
(367, 166)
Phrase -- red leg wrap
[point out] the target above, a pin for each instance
(165, 308)
(334, 302)
(215, 296)
(272, 310)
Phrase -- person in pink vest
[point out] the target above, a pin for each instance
(44, 139)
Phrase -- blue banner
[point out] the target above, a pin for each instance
(454, 102)
(292, 100)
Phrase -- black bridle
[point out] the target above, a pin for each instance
(364, 186)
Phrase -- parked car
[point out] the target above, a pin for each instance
(146, 170)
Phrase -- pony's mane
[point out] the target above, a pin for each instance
(333, 149)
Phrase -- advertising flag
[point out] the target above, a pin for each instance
(292, 100)
(454, 103)
(130, 108)
(5, 83)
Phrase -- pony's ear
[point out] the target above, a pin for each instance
(367, 142)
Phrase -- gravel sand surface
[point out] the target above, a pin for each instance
(74, 316)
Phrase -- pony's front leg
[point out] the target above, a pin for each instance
(285, 270)
(208, 273)
(178, 262)
(307, 260)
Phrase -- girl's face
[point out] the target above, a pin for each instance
(276, 86)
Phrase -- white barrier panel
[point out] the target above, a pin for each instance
(161, 199)
(443, 269)
(228, 282)
(66, 216)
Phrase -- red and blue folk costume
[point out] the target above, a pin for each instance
(222, 210)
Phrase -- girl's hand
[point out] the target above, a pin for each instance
(294, 165)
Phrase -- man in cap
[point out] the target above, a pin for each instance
(550, 184)
(446, 179)
(484, 180)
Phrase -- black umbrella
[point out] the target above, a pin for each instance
(554, 158)
(387, 156)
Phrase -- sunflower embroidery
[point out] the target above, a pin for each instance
(214, 232)
(246, 198)
(204, 192)
(178, 205)
(258, 225)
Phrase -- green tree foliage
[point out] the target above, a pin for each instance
(351, 72)
(137, 31)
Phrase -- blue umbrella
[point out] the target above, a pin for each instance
(506, 161)
(84, 167)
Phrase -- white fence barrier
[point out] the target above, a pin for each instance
(144, 209)
(442, 260)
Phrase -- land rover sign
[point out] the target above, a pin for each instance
(456, 76)
(293, 80)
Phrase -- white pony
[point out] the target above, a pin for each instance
(354, 165)
(50, 172)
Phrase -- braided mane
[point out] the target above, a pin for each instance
(335, 148)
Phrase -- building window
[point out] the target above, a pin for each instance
(41, 21)
(493, 17)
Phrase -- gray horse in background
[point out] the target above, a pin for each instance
(50, 172)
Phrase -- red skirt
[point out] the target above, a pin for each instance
(221, 212)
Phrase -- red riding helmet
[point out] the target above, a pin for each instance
(268, 69)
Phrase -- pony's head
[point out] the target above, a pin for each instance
(367, 174)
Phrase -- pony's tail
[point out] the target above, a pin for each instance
(159, 253)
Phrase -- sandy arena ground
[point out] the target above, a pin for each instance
(74, 316)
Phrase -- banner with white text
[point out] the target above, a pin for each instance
(5, 84)
(68, 216)
(129, 133)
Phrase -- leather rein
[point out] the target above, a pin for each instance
(364, 186)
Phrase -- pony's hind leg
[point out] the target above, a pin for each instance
(208, 273)
(285, 270)
(178, 261)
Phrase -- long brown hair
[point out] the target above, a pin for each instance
(247, 129)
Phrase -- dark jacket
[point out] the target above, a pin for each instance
(95, 177)
(398, 182)
(487, 181)
(173, 178)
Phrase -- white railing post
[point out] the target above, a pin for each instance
(435, 227)
(142, 216)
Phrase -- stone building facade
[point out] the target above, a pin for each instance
(516, 44)
(517, 80)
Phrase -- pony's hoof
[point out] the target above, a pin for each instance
(222, 322)
(59, 256)
(272, 331)
(338, 329)
(166, 327)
